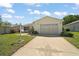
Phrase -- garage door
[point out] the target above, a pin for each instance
(49, 29)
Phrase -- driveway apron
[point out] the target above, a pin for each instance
(47, 46)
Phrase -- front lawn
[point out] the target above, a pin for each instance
(74, 40)
(9, 43)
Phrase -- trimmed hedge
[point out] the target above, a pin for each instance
(67, 34)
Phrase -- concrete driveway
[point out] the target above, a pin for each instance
(47, 46)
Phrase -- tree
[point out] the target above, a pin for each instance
(6, 27)
(0, 20)
(70, 18)
(6, 23)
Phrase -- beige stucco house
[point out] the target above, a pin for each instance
(48, 25)
(74, 26)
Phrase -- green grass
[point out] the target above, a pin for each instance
(74, 40)
(9, 43)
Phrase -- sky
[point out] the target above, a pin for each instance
(28, 12)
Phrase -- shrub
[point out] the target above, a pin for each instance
(31, 30)
(12, 31)
(67, 34)
(34, 32)
(62, 33)
(67, 29)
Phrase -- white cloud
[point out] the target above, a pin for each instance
(10, 16)
(31, 12)
(30, 4)
(38, 5)
(37, 12)
(6, 16)
(46, 13)
(72, 13)
(33, 4)
(6, 5)
(57, 13)
(19, 17)
(77, 4)
(11, 11)
(29, 9)
(74, 8)
(60, 13)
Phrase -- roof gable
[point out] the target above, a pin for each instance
(49, 19)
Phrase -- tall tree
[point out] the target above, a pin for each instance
(6, 23)
(70, 18)
(0, 20)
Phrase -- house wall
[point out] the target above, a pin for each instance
(4, 30)
(37, 24)
(73, 27)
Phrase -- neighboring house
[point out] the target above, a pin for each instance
(48, 25)
(4, 29)
(16, 28)
(26, 27)
(74, 26)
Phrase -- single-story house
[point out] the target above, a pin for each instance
(74, 26)
(48, 25)
(26, 27)
(17, 28)
(4, 29)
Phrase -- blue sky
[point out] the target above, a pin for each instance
(29, 12)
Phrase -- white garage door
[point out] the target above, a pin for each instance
(49, 29)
